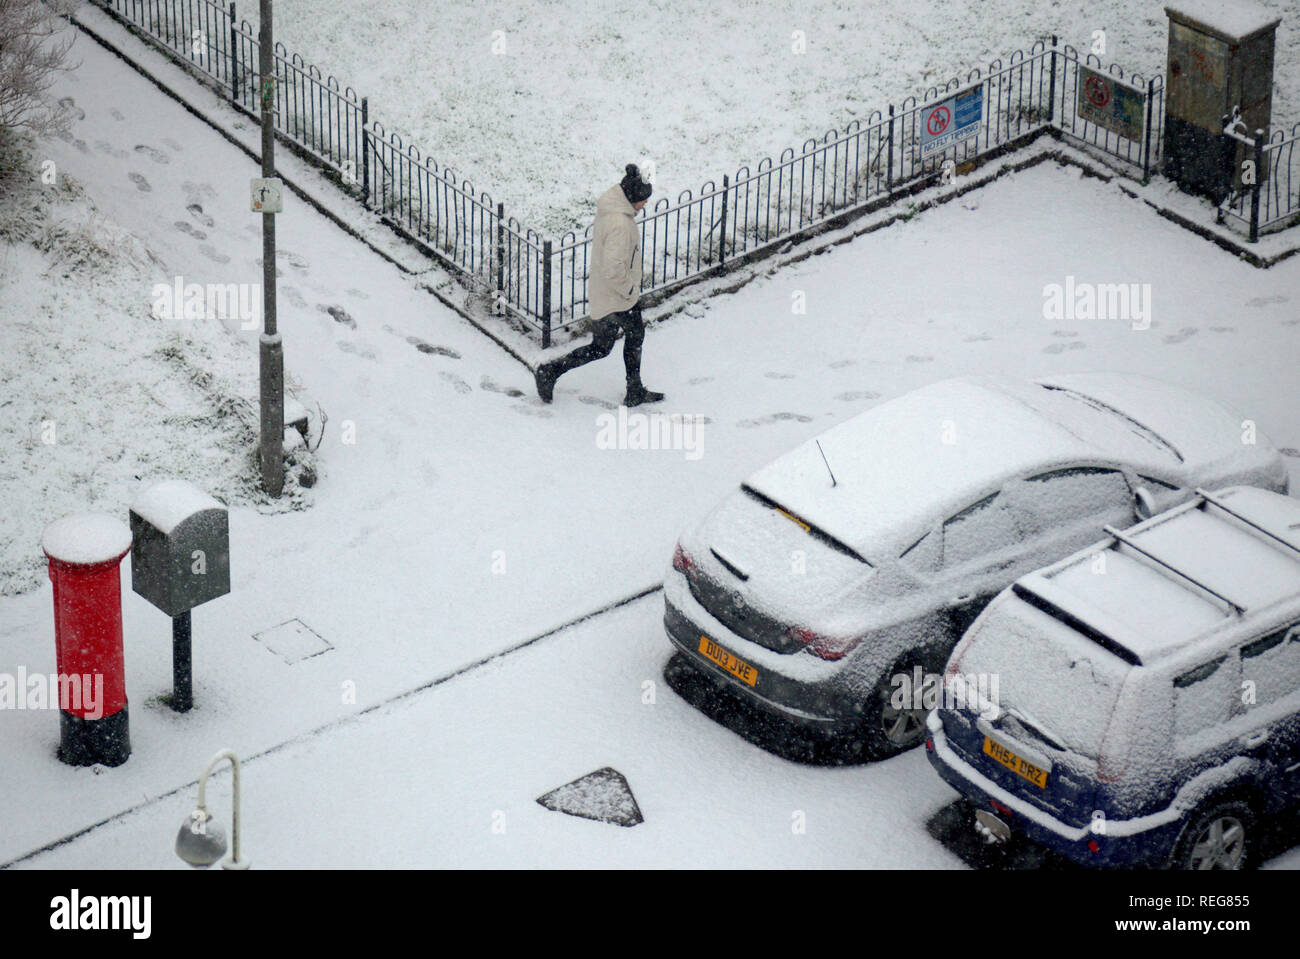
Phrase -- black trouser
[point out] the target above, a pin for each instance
(603, 334)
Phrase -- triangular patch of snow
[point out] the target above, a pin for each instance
(603, 795)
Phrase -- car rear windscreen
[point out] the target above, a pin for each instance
(1048, 674)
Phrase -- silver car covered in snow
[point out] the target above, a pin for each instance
(829, 590)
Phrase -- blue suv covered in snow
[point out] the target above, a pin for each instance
(1147, 691)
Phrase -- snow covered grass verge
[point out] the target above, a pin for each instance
(103, 397)
(540, 104)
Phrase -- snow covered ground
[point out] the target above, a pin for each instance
(541, 104)
(455, 518)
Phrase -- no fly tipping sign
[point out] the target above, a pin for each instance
(951, 120)
(267, 195)
(1110, 103)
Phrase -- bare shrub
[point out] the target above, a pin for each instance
(31, 53)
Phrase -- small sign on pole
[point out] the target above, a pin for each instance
(1111, 103)
(267, 195)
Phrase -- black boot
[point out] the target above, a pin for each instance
(638, 395)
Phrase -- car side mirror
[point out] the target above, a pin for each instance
(1144, 504)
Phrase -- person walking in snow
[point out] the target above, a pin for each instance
(613, 290)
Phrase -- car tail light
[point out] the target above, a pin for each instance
(1001, 807)
(826, 647)
(1094, 846)
(954, 661)
(681, 562)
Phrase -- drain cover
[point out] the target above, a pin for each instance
(292, 641)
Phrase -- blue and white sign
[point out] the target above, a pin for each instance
(951, 120)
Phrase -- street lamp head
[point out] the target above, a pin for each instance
(200, 841)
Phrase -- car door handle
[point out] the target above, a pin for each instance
(961, 600)
(1255, 739)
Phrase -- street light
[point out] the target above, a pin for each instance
(201, 841)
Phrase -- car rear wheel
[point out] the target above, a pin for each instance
(889, 727)
(1218, 836)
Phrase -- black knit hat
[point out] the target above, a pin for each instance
(634, 187)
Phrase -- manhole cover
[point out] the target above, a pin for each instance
(292, 641)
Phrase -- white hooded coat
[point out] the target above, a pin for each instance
(614, 281)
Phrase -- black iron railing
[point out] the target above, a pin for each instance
(1272, 202)
(543, 283)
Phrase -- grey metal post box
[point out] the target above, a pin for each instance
(180, 554)
(1220, 57)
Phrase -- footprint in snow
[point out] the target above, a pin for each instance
(854, 395)
(460, 385)
(140, 182)
(1289, 451)
(978, 338)
(171, 144)
(774, 418)
(696, 381)
(116, 114)
(486, 383)
(597, 401)
(1181, 335)
(212, 254)
(915, 358)
(1066, 333)
(364, 352)
(196, 211)
(293, 296)
(424, 347)
(186, 228)
(153, 153)
(293, 259)
(1265, 300)
(533, 410)
(103, 146)
(1223, 329)
(74, 111)
(779, 376)
(358, 294)
(1062, 347)
(841, 364)
(339, 314)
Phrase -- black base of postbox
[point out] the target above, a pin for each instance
(85, 742)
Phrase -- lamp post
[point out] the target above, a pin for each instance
(271, 354)
(201, 841)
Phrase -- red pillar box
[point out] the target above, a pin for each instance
(85, 551)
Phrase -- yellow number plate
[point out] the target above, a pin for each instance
(1020, 767)
(746, 673)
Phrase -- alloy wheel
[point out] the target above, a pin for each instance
(1220, 845)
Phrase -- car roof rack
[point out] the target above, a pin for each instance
(1128, 541)
(1249, 522)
